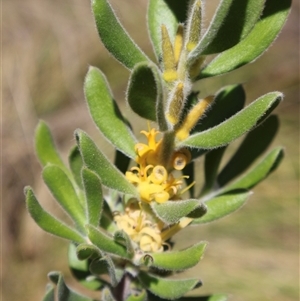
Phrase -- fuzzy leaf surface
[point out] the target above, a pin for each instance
(105, 242)
(223, 205)
(236, 126)
(259, 39)
(64, 293)
(178, 260)
(45, 147)
(76, 163)
(259, 172)
(114, 37)
(62, 189)
(50, 293)
(171, 212)
(167, 12)
(47, 221)
(233, 19)
(142, 296)
(95, 160)
(167, 288)
(254, 144)
(106, 113)
(93, 196)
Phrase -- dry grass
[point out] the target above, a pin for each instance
(47, 47)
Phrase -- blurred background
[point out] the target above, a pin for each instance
(47, 48)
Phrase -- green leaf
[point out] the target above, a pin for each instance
(63, 292)
(259, 172)
(106, 113)
(145, 92)
(228, 102)
(76, 163)
(48, 222)
(138, 296)
(95, 160)
(233, 19)
(255, 143)
(105, 265)
(223, 205)
(178, 260)
(211, 166)
(259, 39)
(80, 267)
(114, 37)
(45, 148)
(105, 242)
(122, 238)
(64, 192)
(167, 12)
(166, 288)
(50, 293)
(107, 295)
(235, 126)
(93, 195)
(171, 212)
(216, 297)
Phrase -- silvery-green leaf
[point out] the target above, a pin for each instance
(106, 243)
(259, 39)
(254, 144)
(50, 293)
(122, 238)
(107, 295)
(167, 288)
(62, 189)
(64, 293)
(167, 12)
(106, 113)
(45, 147)
(223, 205)
(231, 23)
(93, 196)
(114, 36)
(75, 163)
(48, 222)
(138, 296)
(236, 126)
(171, 212)
(259, 172)
(95, 160)
(178, 260)
(79, 265)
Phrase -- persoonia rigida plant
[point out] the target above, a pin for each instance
(124, 218)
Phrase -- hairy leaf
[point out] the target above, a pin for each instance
(259, 39)
(75, 163)
(106, 113)
(48, 222)
(95, 160)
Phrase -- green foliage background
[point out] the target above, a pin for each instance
(47, 47)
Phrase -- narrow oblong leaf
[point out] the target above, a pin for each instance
(215, 297)
(106, 113)
(45, 148)
(123, 238)
(105, 242)
(79, 266)
(107, 295)
(76, 163)
(228, 101)
(259, 39)
(47, 221)
(223, 205)
(93, 196)
(95, 160)
(138, 296)
(178, 260)
(167, 12)
(50, 293)
(62, 189)
(171, 212)
(236, 126)
(64, 293)
(233, 19)
(259, 172)
(254, 144)
(114, 37)
(167, 288)
(144, 90)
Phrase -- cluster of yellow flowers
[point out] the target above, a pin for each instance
(154, 182)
